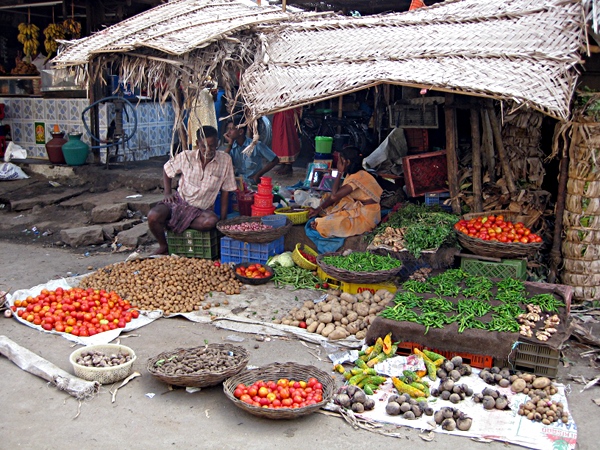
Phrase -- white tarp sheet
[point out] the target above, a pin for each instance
(505, 425)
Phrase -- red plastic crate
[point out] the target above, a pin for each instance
(425, 173)
(417, 140)
(477, 361)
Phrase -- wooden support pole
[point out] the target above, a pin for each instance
(476, 148)
(508, 177)
(95, 93)
(452, 160)
(487, 145)
(559, 209)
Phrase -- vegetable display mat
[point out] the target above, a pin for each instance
(506, 425)
(105, 337)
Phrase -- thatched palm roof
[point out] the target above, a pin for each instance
(175, 28)
(523, 50)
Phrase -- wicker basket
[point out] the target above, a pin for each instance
(200, 379)
(260, 237)
(301, 260)
(297, 218)
(103, 375)
(274, 372)
(355, 277)
(509, 216)
(497, 249)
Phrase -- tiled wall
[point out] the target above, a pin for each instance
(152, 138)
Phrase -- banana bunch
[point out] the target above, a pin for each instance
(72, 27)
(53, 32)
(28, 36)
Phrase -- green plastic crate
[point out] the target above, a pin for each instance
(194, 244)
(540, 360)
(508, 268)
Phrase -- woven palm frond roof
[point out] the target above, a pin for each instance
(175, 28)
(523, 50)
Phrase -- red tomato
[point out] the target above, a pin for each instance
(302, 324)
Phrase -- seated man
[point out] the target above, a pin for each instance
(252, 166)
(204, 172)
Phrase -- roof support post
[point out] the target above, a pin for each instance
(476, 148)
(508, 176)
(450, 113)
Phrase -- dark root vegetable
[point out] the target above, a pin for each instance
(392, 408)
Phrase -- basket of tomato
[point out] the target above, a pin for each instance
(497, 235)
(280, 390)
(253, 273)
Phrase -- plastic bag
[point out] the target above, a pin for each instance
(8, 171)
(14, 151)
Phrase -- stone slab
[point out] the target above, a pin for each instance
(77, 237)
(45, 199)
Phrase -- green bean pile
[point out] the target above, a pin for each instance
(363, 262)
(294, 276)
(414, 302)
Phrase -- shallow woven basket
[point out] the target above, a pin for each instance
(355, 277)
(298, 217)
(497, 249)
(103, 375)
(301, 260)
(200, 379)
(260, 237)
(274, 372)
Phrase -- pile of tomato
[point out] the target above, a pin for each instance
(308, 256)
(254, 271)
(494, 228)
(281, 394)
(77, 311)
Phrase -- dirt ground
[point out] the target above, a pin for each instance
(37, 415)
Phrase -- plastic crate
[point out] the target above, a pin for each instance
(194, 244)
(239, 251)
(508, 268)
(333, 283)
(425, 173)
(540, 360)
(355, 288)
(437, 198)
(477, 361)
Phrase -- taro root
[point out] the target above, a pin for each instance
(342, 400)
(409, 415)
(454, 374)
(369, 404)
(441, 373)
(449, 424)
(488, 402)
(463, 423)
(445, 395)
(392, 408)
(358, 407)
(454, 398)
(359, 396)
(501, 403)
(438, 416)
(457, 361)
(405, 407)
(448, 365)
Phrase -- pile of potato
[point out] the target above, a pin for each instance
(172, 284)
(340, 315)
(407, 407)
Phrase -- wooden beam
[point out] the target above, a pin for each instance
(559, 209)
(495, 123)
(452, 160)
(487, 145)
(476, 148)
